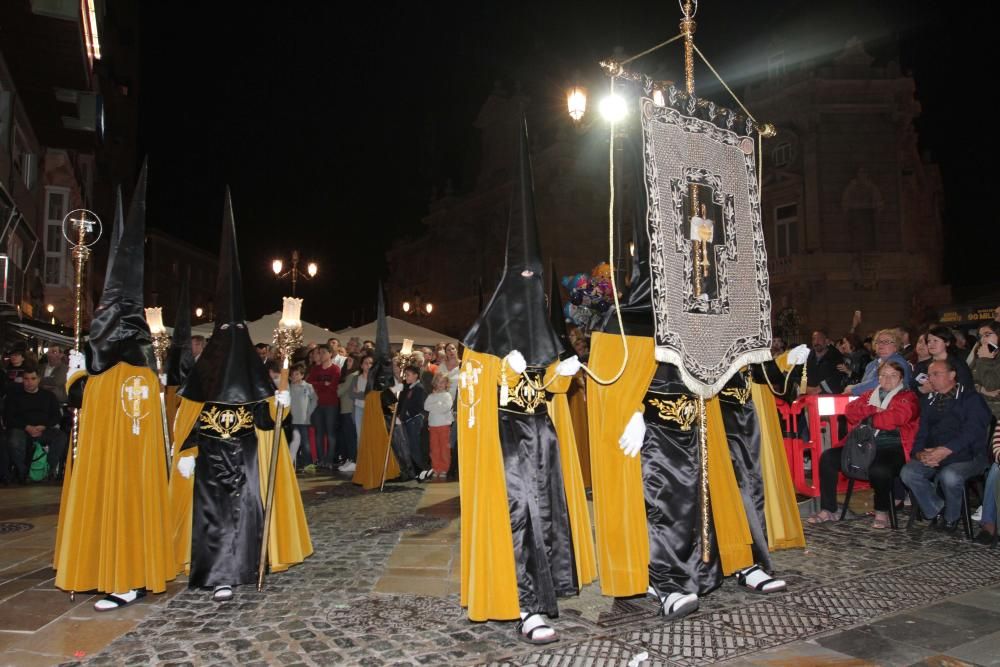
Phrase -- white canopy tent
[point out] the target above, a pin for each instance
(398, 330)
(262, 330)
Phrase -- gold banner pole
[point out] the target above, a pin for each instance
(161, 345)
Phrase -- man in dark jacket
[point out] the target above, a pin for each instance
(823, 376)
(32, 415)
(950, 446)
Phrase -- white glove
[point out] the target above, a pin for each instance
(185, 466)
(635, 433)
(568, 367)
(396, 388)
(163, 379)
(283, 398)
(516, 362)
(77, 362)
(798, 355)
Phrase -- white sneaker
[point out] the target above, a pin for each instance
(978, 514)
(348, 466)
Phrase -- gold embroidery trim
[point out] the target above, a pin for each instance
(682, 410)
(741, 394)
(526, 395)
(227, 422)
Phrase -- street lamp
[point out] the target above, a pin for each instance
(576, 102)
(199, 311)
(51, 309)
(417, 306)
(311, 270)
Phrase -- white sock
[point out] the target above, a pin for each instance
(535, 621)
(758, 576)
(106, 604)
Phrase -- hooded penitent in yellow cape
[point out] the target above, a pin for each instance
(622, 539)
(517, 318)
(229, 379)
(112, 534)
(376, 462)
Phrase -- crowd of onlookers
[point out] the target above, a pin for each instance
(933, 404)
(329, 384)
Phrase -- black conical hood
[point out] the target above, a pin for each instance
(118, 331)
(116, 234)
(229, 284)
(228, 370)
(637, 305)
(382, 369)
(556, 315)
(180, 359)
(516, 317)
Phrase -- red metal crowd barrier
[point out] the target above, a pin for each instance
(821, 412)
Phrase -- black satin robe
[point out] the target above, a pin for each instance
(539, 516)
(228, 511)
(671, 476)
(743, 434)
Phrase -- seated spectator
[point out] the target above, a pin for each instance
(32, 414)
(15, 365)
(895, 413)
(921, 360)
(777, 346)
(886, 349)
(941, 346)
(821, 367)
(950, 446)
(53, 372)
(986, 375)
(856, 358)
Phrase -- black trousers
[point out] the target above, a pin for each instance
(886, 466)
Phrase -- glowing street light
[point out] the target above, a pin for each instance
(613, 108)
(311, 270)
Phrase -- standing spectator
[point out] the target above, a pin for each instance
(15, 365)
(777, 346)
(439, 420)
(359, 389)
(347, 433)
(264, 352)
(368, 345)
(921, 358)
(821, 367)
(430, 359)
(335, 350)
(410, 418)
(304, 402)
(32, 415)
(941, 345)
(325, 379)
(986, 374)
(197, 345)
(353, 346)
(53, 373)
(950, 446)
(886, 349)
(905, 335)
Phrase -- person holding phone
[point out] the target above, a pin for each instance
(986, 374)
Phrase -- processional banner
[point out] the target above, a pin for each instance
(711, 305)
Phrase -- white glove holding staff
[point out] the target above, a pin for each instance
(798, 355)
(77, 362)
(283, 398)
(516, 361)
(568, 367)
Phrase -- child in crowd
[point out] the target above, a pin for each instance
(304, 402)
(439, 420)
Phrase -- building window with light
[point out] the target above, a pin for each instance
(786, 230)
(56, 264)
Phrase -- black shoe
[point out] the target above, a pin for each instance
(985, 537)
(946, 526)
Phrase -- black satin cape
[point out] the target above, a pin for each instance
(743, 434)
(539, 517)
(671, 473)
(228, 512)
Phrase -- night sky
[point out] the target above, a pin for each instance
(333, 126)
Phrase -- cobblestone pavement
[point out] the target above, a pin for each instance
(325, 612)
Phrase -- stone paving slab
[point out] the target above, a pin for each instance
(330, 611)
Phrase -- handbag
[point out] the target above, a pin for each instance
(858, 452)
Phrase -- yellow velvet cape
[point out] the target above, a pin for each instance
(372, 446)
(489, 582)
(113, 526)
(619, 511)
(288, 541)
(577, 396)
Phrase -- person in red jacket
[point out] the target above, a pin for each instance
(325, 377)
(895, 413)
